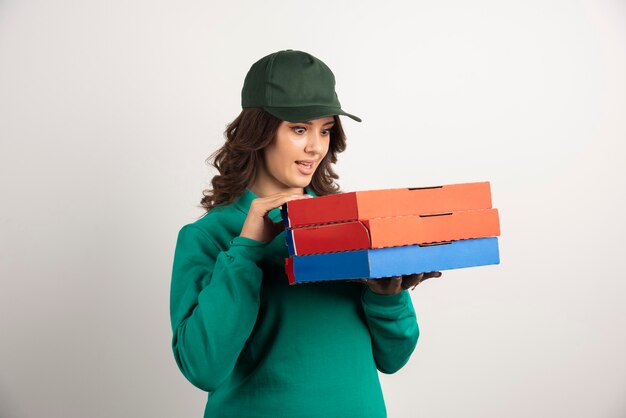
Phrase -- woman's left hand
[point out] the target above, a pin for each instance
(396, 284)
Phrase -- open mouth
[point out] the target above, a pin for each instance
(305, 164)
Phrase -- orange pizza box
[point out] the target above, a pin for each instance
(369, 204)
(393, 231)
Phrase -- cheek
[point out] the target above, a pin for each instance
(269, 158)
(277, 161)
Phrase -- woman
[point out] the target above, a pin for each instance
(261, 347)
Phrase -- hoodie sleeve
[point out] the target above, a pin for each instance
(214, 302)
(393, 328)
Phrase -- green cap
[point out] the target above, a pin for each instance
(293, 86)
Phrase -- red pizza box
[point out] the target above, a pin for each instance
(393, 231)
(366, 205)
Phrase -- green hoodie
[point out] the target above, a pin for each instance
(263, 348)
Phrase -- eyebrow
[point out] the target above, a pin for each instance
(332, 122)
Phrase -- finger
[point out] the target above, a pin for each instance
(432, 274)
(381, 281)
(291, 197)
(410, 281)
(427, 276)
(417, 276)
(280, 200)
(277, 200)
(374, 284)
(396, 283)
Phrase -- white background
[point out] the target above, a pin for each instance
(108, 110)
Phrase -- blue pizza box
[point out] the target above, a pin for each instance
(392, 261)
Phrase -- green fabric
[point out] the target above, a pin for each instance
(263, 348)
(293, 86)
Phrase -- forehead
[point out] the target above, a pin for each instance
(321, 121)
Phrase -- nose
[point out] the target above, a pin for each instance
(315, 143)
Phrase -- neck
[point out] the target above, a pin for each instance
(264, 191)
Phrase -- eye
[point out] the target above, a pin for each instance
(299, 129)
(327, 131)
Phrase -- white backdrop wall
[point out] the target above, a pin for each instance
(109, 109)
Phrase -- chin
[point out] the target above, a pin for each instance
(303, 182)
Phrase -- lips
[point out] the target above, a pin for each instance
(305, 166)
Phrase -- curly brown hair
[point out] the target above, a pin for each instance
(237, 160)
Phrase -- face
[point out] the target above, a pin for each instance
(293, 156)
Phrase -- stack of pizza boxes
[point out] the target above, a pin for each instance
(392, 232)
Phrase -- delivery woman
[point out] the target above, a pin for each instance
(258, 346)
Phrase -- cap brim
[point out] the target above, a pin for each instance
(307, 113)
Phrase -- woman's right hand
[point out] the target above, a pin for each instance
(258, 225)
